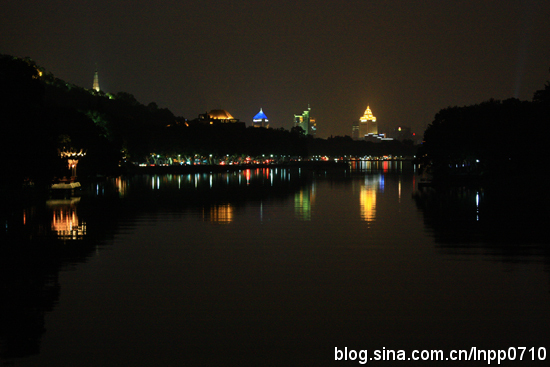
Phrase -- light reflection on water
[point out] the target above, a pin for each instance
(237, 268)
(369, 190)
(221, 214)
(65, 222)
(303, 200)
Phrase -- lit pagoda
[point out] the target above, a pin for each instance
(96, 82)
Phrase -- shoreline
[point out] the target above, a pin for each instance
(211, 168)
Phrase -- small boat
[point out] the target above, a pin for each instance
(65, 185)
(64, 189)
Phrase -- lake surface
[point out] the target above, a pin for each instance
(274, 267)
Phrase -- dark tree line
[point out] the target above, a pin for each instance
(25, 131)
(41, 115)
(490, 138)
(222, 139)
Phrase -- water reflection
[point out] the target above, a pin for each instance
(65, 222)
(303, 200)
(368, 203)
(35, 238)
(200, 276)
(210, 180)
(34, 250)
(371, 185)
(220, 214)
(122, 186)
(377, 166)
(503, 220)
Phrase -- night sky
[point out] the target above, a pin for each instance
(406, 59)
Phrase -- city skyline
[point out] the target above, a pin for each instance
(261, 120)
(407, 60)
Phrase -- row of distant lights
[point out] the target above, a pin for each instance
(316, 157)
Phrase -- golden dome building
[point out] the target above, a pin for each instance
(220, 115)
(367, 124)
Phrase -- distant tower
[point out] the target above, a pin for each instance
(96, 81)
(355, 130)
(260, 120)
(367, 124)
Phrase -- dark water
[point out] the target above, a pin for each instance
(274, 268)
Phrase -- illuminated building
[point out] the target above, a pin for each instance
(312, 126)
(218, 117)
(367, 124)
(367, 128)
(96, 82)
(376, 138)
(403, 133)
(306, 122)
(260, 120)
(221, 115)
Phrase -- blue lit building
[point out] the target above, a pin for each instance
(260, 120)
